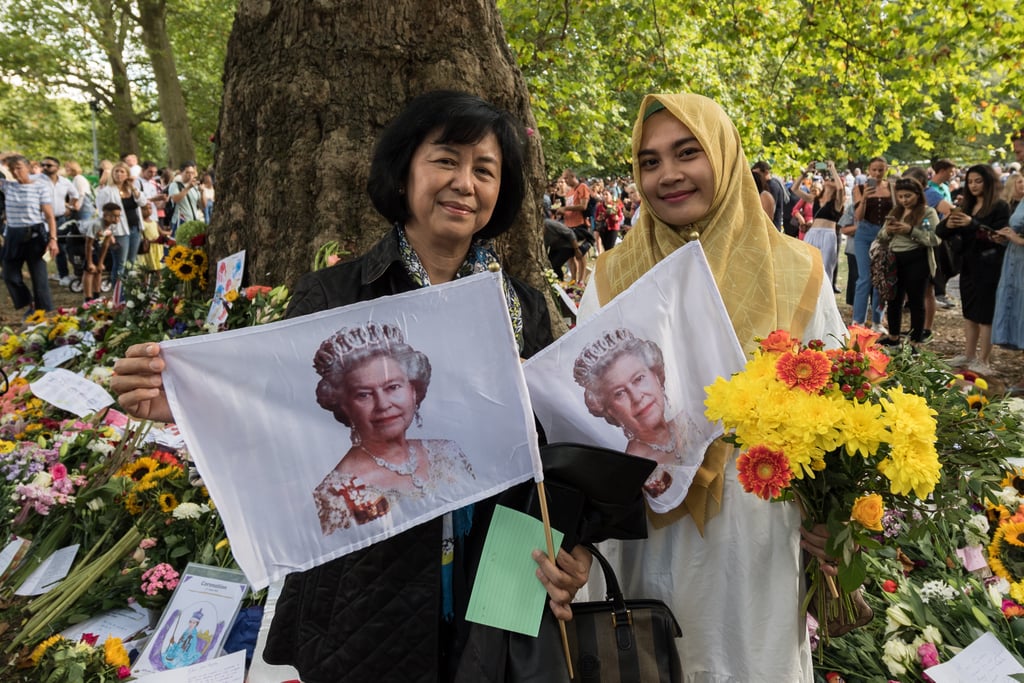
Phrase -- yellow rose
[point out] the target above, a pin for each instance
(868, 511)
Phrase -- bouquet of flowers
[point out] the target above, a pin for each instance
(818, 427)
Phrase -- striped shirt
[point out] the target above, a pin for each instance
(24, 202)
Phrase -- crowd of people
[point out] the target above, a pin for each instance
(50, 210)
(446, 176)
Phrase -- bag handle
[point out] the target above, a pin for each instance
(622, 618)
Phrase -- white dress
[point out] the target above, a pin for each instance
(736, 591)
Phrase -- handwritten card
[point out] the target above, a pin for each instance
(227, 669)
(50, 572)
(71, 392)
(59, 355)
(985, 660)
(229, 278)
(118, 623)
(507, 593)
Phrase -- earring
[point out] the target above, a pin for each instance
(354, 435)
(418, 418)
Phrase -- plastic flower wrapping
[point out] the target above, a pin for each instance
(824, 428)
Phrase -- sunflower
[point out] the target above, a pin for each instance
(41, 648)
(976, 401)
(167, 502)
(1004, 552)
(37, 316)
(199, 260)
(185, 271)
(138, 470)
(132, 505)
(178, 254)
(1014, 479)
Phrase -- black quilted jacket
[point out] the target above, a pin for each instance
(374, 616)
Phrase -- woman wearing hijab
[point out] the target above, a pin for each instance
(727, 563)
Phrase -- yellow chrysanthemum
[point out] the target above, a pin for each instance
(1017, 591)
(912, 467)
(6, 447)
(909, 415)
(167, 502)
(41, 648)
(114, 652)
(862, 428)
(231, 296)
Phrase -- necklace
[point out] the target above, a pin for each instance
(670, 447)
(406, 470)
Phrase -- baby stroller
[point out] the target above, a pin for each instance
(74, 245)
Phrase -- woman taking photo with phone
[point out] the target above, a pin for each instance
(872, 203)
(971, 230)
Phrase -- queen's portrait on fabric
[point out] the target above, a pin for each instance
(374, 382)
(623, 380)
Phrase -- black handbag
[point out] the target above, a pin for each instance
(623, 641)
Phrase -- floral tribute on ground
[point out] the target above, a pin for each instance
(124, 492)
(822, 427)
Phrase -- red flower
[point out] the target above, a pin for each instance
(809, 369)
(1012, 610)
(255, 290)
(123, 672)
(889, 586)
(763, 472)
(779, 341)
(198, 241)
(90, 638)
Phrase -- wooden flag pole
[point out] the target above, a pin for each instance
(542, 494)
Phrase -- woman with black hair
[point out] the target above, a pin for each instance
(447, 174)
(972, 230)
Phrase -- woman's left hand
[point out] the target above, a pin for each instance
(813, 541)
(563, 578)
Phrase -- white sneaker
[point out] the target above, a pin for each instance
(879, 328)
(64, 281)
(960, 361)
(980, 367)
(54, 277)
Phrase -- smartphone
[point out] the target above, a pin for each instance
(820, 166)
(871, 183)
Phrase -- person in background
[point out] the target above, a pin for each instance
(767, 200)
(30, 235)
(66, 201)
(185, 194)
(973, 229)
(777, 190)
(872, 203)
(99, 240)
(87, 205)
(1008, 321)
(206, 196)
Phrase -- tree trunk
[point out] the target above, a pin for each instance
(111, 36)
(153, 21)
(307, 89)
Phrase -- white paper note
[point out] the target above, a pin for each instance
(14, 550)
(71, 392)
(985, 660)
(227, 669)
(48, 574)
(119, 623)
(60, 355)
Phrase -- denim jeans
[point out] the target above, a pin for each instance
(862, 239)
(121, 246)
(134, 240)
(17, 254)
(62, 253)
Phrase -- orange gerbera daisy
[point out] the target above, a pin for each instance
(809, 369)
(763, 472)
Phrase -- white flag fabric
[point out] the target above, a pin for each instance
(632, 377)
(321, 435)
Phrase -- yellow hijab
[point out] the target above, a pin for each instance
(767, 280)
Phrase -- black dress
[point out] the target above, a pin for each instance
(982, 260)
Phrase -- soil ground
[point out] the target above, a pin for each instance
(1008, 366)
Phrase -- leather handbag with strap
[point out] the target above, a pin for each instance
(623, 641)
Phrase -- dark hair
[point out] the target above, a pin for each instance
(911, 216)
(147, 164)
(758, 181)
(53, 159)
(762, 166)
(990, 193)
(918, 174)
(882, 159)
(111, 206)
(186, 165)
(942, 165)
(459, 118)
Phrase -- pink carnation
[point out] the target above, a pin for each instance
(58, 472)
(147, 543)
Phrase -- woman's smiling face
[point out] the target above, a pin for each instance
(675, 172)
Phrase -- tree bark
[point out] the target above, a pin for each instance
(111, 36)
(307, 89)
(153, 21)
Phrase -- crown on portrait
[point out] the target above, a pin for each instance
(356, 340)
(595, 352)
(198, 614)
